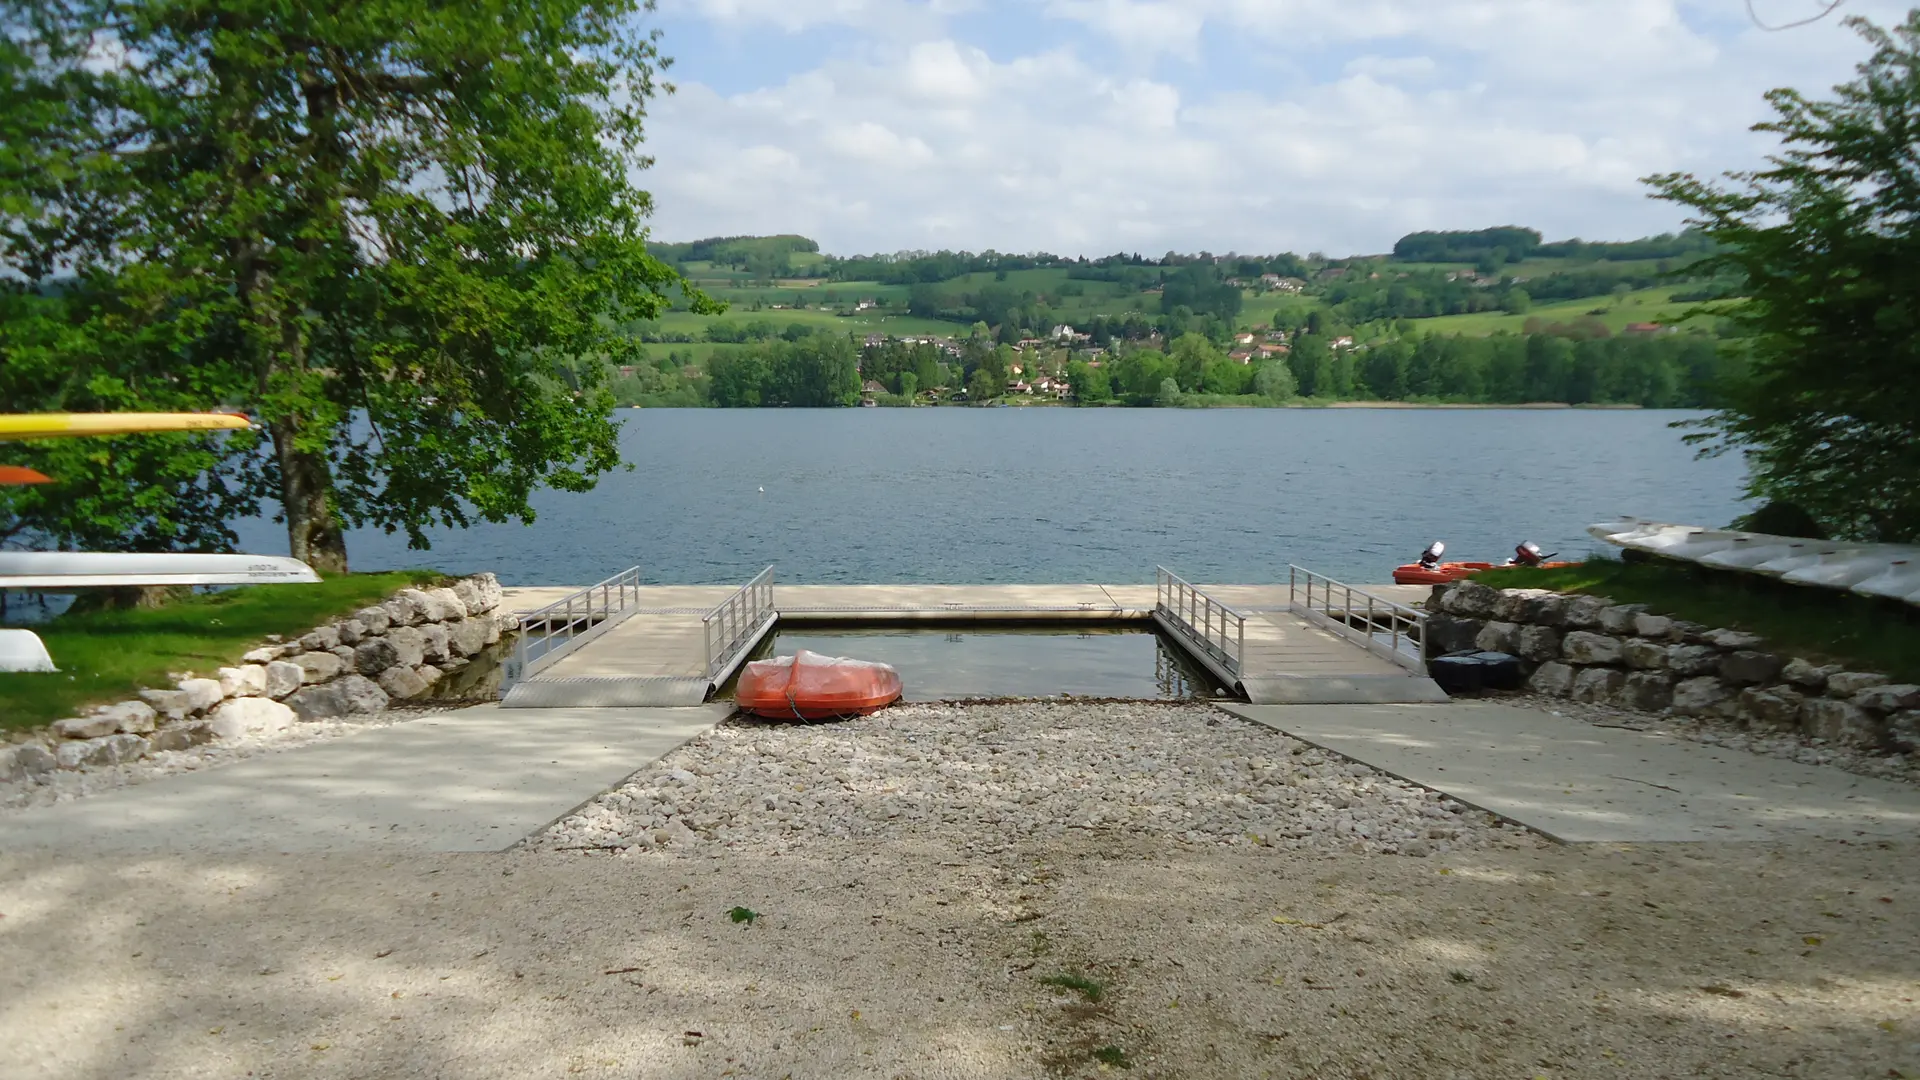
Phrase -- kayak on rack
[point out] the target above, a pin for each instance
(21, 426)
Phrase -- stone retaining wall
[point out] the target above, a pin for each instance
(1591, 649)
(416, 644)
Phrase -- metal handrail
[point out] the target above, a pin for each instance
(1213, 627)
(1403, 627)
(737, 622)
(551, 632)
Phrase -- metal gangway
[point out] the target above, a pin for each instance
(599, 647)
(1332, 644)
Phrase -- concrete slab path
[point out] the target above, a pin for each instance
(1577, 782)
(476, 779)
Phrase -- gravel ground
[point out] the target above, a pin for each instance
(63, 785)
(980, 776)
(1715, 732)
(891, 958)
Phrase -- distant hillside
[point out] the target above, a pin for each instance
(756, 255)
(1512, 244)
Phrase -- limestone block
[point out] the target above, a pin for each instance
(249, 716)
(265, 654)
(1652, 626)
(401, 683)
(1774, 707)
(1888, 699)
(373, 620)
(501, 622)
(284, 678)
(1845, 684)
(405, 608)
(1646, 655)
(202, 694)
(1598, 685)
(132, 717)
(1449, 633)
(351, 631)
(1807, 676)
(1747, 667)
(92, 726)
(481, 593)
(433, 638)
(342, 697)
(1618, 619)
(1689, 633)
(1549, 610)
(318, 667)
(1703, 696)
(181, 736)
(169, 704)
(468, 636)
(323, 639)
(1693, 659)
(1647, 691)
(1585, 612)
(376, 655)
(1539, 643)
(1498, 637)
(429, 673)
(1513, 603)
(1903, 731)
(99, 753)
(249, 680)
(26, 761)
(410, 645)
(1842, 722)
(447, 605)
(1586, 647)
(1732, 640)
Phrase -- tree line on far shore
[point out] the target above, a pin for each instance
(1659, 371)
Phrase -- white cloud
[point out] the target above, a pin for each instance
(1384, 116)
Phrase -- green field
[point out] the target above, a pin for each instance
(1645, 305)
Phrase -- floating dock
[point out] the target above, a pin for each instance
(624, 644)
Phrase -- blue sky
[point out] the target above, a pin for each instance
(1092, 126)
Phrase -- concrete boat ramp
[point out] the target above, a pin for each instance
(1332, 669)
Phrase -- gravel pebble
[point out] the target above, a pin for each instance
(981, 776)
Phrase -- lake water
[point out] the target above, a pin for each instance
(945, 663)
(1012, 496)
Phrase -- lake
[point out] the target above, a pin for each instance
(1014, 496)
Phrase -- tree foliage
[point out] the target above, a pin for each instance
(1827, 240)
(396, 232)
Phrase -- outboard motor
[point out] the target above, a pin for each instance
(1430, 558)
(1528, 554)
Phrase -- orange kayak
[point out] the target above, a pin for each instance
(1415, 574)
(20, 475)
(809, 686)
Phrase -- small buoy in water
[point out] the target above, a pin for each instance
(763, 491)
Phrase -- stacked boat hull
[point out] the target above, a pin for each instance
(1888, 571)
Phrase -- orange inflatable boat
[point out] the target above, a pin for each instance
(1437, 574)
(808, 686)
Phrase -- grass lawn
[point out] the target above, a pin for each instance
(105, 656)
(1819, 624)
(1644, 305)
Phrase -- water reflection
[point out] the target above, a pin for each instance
(989, 661)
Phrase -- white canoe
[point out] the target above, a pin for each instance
(1843, 569)
(1899, 580)
(54, 571)
(1747, 552)
(1886, 570)
(22, 650)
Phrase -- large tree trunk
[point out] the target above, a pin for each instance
(313, 536)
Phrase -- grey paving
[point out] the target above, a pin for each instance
(1341, 690)
(1578, 782)
(476, 779)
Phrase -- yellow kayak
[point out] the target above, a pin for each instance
(19, 426)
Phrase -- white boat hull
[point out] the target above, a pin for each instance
(54, 571)
(22, 650)
(1884, 570)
